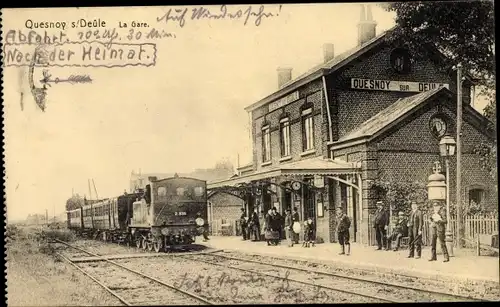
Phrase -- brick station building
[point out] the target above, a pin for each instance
(373, 112)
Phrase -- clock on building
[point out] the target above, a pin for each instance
(296, 185)
(438, 126)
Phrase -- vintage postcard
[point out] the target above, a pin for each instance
(250, 154)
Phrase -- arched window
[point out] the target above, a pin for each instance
(285, 143)
(266, 143)
(307, 130)
(400, 60)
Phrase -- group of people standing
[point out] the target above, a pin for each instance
(411, 227)
(272, 227)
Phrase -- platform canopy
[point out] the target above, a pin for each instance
(313, 166)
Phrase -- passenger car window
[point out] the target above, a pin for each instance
(198, 191)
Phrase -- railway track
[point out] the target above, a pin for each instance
(128, 285)
(286, 278)
(365, 287)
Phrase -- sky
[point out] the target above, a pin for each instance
(186, 112)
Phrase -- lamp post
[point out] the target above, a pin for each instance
(447, 147)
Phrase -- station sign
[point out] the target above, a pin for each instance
(394, 86)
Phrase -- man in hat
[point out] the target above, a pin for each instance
(255, 225)
(268, 228)
(400, 230)
(288, 227)
(275, 225)
(381, 223)
(243, 223)
(415, 226)
(343, 224)
(438, 229)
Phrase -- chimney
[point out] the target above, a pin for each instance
(152, 178)
(328, 52)
(284, 75)
(366, 26)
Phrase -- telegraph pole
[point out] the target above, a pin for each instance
(96, 195)
(90, 191)
(459, 152)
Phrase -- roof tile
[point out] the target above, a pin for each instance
(389, 115)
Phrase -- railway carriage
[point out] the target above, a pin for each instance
(75, 218)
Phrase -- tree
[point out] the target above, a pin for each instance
(464, 31)
(399, 194)
(76, 201)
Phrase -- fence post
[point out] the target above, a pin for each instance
(478, 246)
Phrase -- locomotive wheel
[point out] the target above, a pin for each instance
(150, 246)
(138, 242)
(144, 244)
(158, 245)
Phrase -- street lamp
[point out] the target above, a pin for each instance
(447, 147)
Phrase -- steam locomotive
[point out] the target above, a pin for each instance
(168, 212)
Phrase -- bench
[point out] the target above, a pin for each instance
(225, 229)
(487, 241)
(405, 241)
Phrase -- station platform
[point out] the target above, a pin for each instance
(464, 265)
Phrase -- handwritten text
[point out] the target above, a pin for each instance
(250, 14)
(83, 54)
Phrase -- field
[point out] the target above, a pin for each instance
(35, 277)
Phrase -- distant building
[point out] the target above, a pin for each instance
(374, 112)
(221, 171)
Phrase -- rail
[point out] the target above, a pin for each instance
(360, 279)
(299, 281)
(199, 298)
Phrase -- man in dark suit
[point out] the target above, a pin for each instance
(255, 226)
(343, 224)
(381, 223)
(400, 230)
(244, 224)
(415, 226)
(438, 229)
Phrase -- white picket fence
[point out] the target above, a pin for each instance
(473, 225)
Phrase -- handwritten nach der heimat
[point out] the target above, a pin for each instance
(95, 54)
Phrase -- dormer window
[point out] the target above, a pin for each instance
(400, 60)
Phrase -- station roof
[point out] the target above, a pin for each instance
(313, 166)
(397, 112)
(389, 115)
